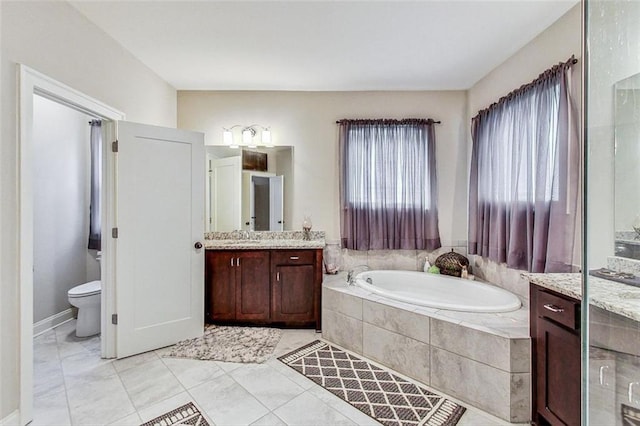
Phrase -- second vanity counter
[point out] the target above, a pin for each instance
(621, 299)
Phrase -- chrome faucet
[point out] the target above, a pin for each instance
(351, 275)
(240, 234)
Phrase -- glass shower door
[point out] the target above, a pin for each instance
(611, 261)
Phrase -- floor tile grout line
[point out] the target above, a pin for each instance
(137, 410)
(254, 396)
(202, 410)
(64, 377)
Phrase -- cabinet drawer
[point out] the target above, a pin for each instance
(292, 257)
(559, 309)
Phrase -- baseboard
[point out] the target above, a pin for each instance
(12, 419)
(52, 321)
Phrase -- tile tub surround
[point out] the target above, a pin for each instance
(481, 359)
(263, 240)
(500, 275)
(618, 298)
(408, 260)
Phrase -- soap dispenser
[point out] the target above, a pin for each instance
(427, 265)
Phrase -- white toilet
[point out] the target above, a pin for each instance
(86, 297)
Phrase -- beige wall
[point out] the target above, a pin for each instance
(556, 44)
(307, 121)
(55, 39)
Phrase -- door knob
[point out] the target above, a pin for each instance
(198, 245)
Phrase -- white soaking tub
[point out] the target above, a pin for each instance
(438, 291)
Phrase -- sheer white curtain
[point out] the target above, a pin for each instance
(95, 233)
(524, 178)
(388, 184)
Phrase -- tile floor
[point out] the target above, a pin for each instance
(74, 386)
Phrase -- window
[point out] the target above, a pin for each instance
(388, 184)
(524, 177)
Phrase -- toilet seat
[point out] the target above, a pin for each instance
(87, 289)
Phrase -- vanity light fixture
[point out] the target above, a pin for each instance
(248, 133)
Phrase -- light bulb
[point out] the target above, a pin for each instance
(246, 137)
(227, 137)
(266, 137)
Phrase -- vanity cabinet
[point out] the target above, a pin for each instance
(241, 290)
(556, 358)
(292, 298)
(264, 287)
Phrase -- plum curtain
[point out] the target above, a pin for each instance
(524, 176)
(388, 192)
(95, 232)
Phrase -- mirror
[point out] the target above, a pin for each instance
(627, 167)
(249, 188)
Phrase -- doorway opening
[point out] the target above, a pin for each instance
(32, 84)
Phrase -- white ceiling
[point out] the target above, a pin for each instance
(323, 45)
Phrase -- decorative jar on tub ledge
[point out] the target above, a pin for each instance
(332, 256)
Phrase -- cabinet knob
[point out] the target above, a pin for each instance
(198, 245)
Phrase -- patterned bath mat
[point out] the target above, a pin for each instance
(188, 414)
(375, 391)
(229, 344)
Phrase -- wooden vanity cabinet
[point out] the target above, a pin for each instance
(263, 287)
(556, 358)
(296, 279)
(241, 286)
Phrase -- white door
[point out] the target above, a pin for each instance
(226, 192)
(276, 203)
(159, 271)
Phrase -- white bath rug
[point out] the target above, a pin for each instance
(376, 391)
(229, 344)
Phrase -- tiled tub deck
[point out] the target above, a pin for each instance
(481, 359)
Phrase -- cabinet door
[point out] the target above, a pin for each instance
(558, 373)
(253, 286)
(220, 297)
(293, 293)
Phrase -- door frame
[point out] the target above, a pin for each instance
(30, 83)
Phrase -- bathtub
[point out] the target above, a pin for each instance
(438, 291)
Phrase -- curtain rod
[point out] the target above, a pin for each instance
(389, 120)
(571, 61)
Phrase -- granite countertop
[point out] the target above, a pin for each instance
(609, 295)
(261, 244)
(253, 240)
